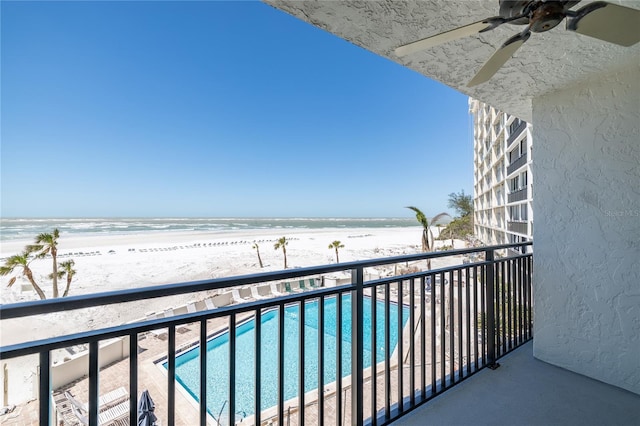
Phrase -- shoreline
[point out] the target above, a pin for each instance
(143, 238)
(155, 258)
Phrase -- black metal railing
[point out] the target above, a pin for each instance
(517, 163)
(451, 322)
(519, 227)
(518, 195)
(515, 128)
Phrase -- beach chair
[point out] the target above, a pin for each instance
(235, 296)
(312, 283)
(191, 307)
(208, 302)
(289, 289)
(82, 418)
(115, 396)
(302, 286)
(168, 313)
(255, 294)
(274, 290)
(160, 333)
(109, 399)
(74, 402)
(113, 414)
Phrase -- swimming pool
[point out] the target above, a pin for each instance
(188, 363)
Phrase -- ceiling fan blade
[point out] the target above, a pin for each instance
(609, 22)
(467, 30)
(499, 58)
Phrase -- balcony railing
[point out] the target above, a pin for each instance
(519, 227)
(449, 323)
(514, 130)
(517, 163)
(519, 195)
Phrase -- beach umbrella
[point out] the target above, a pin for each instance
(145, 410)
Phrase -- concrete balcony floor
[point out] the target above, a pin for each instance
(527, 391)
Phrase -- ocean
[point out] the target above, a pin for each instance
(18, 229)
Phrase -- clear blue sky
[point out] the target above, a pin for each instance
(215, 109)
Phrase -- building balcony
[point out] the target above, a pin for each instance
(515, 130)
(519, 227)
(524, 390)
(434, 329)
(515, 165)
(518, 195)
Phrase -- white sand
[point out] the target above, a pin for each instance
(127, 261)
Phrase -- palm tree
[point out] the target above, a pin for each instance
(67, 269)
(21, 260)
(255, 246)
(427, 235)
(282, 243)
(48, 244)
(336, 245)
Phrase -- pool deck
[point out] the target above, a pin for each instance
(153, 378)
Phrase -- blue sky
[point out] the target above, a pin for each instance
(215, 109)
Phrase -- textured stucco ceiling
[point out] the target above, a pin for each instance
(546, 62)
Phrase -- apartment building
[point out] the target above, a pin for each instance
(503, 189)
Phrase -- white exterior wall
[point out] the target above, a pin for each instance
(587, 233)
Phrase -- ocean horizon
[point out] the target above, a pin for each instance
(28, 228)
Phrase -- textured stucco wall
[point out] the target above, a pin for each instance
(547, 62)
(587, 230)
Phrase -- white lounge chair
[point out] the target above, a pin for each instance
(117, 412)
(255, 294)
(115, 398)
(80, 415)
(168, 313)
(274, 290)
(191, 307)
(159, 333)
(235, 296)
(208, 302)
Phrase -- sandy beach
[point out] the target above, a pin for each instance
(114, 262)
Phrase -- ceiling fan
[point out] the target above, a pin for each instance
(605, 21)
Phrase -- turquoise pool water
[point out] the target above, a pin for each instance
(188, 363)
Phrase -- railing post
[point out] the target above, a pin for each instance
(357, 345)
(44, 387)
(491, 312)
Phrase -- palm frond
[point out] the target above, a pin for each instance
(13, 262)
(60, 274)
(438, 217)
(420, 217)
(282, 242)
(32, 248)
(336, 244)
(67, 264)
(11, 281)
(44, 238)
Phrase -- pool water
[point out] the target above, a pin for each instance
(188, 364)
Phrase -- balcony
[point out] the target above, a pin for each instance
(448, 325)
(525, 390)
(519, 227)
(515, 129)
(516, 164)
(518, 195)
